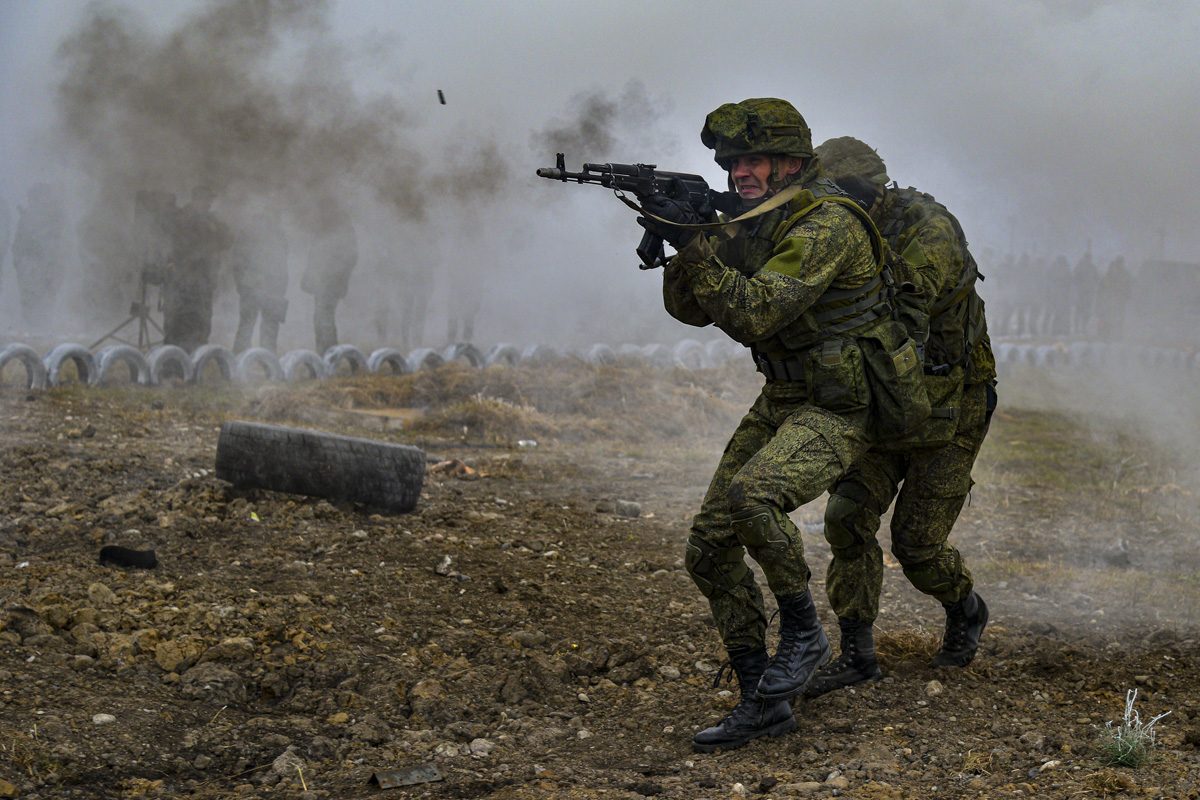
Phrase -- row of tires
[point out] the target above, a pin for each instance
(1094, 354)
(168, 362)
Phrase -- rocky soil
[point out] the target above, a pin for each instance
(529, 632)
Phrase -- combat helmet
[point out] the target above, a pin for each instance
(763, 125)
(846, 157)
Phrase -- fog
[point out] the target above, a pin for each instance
(1048, 128)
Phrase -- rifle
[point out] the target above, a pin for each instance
(644, 180)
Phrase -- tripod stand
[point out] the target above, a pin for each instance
(139, 311)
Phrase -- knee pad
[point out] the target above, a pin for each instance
(935, 575)
(846, 523)
(759, 527)
(714, 569)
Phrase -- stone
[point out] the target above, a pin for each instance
(103, 719)
(101, 595)
(934, 688)
(177, 655)
(237, 648)
(481, 748)
(213, 683)
(627, 508)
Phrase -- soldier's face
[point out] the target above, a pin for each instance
(751, 174)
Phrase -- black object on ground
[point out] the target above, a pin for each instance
(298, 461)
(126, 557)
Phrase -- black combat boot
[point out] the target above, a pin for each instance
(965, 621)
(802, 648)
(855, 664)
(751, 717)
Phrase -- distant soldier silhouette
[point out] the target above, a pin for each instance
(39, 251)
(1112, 299)
(259, 260)
(332, 256)
(1085, 283)
(198, 242)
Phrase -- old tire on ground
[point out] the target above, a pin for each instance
(347, 353)
(464, 351)
(85, 363)
(260, 359)
(35, 368)
(297, 461)
(539, 354)
(425, 358)
(213, 354)
(107, 359)
(600, 354)
(167, 358)
(388, 361)
(502, 354)
(303, 365)
(690, 354)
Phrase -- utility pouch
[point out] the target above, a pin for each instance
(900, 402)
(945, 398)
(836, 377)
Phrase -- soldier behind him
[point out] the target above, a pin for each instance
(198, 242)
(39, 251)
(930, 471)
(259, 260)
(800, 285)
(332, 255)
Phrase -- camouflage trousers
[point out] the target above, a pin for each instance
(935, 485)
(783, 454)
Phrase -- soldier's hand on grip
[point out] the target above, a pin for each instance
(678, 212)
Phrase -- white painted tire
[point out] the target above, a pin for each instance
(258, 363)
(464, 351)
(165, 357)
(108, 358)
(304, 365)
(35, 368)
(425, 358)
(56, 359)
(388, 361)
(213, 354)
(340, 353)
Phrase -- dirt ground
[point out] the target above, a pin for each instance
(519, 638)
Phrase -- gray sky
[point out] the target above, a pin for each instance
(1042, 125)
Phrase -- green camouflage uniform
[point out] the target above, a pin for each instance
(935, 480)
(762, 288)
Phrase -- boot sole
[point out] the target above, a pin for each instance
(778, 729)
(967, 659)
(812, 691)
(826, 657)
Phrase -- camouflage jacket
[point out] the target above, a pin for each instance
(762, 286)
(923, 232)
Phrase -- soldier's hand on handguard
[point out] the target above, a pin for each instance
(675, 211)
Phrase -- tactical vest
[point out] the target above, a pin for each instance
(848, 347)
(957, 325)
(837, 311)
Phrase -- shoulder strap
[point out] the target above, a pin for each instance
(845, 201)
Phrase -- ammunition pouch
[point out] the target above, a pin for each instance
(899, 401)
(836, 377)
(945, 390)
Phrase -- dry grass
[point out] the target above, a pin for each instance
(572, 400)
